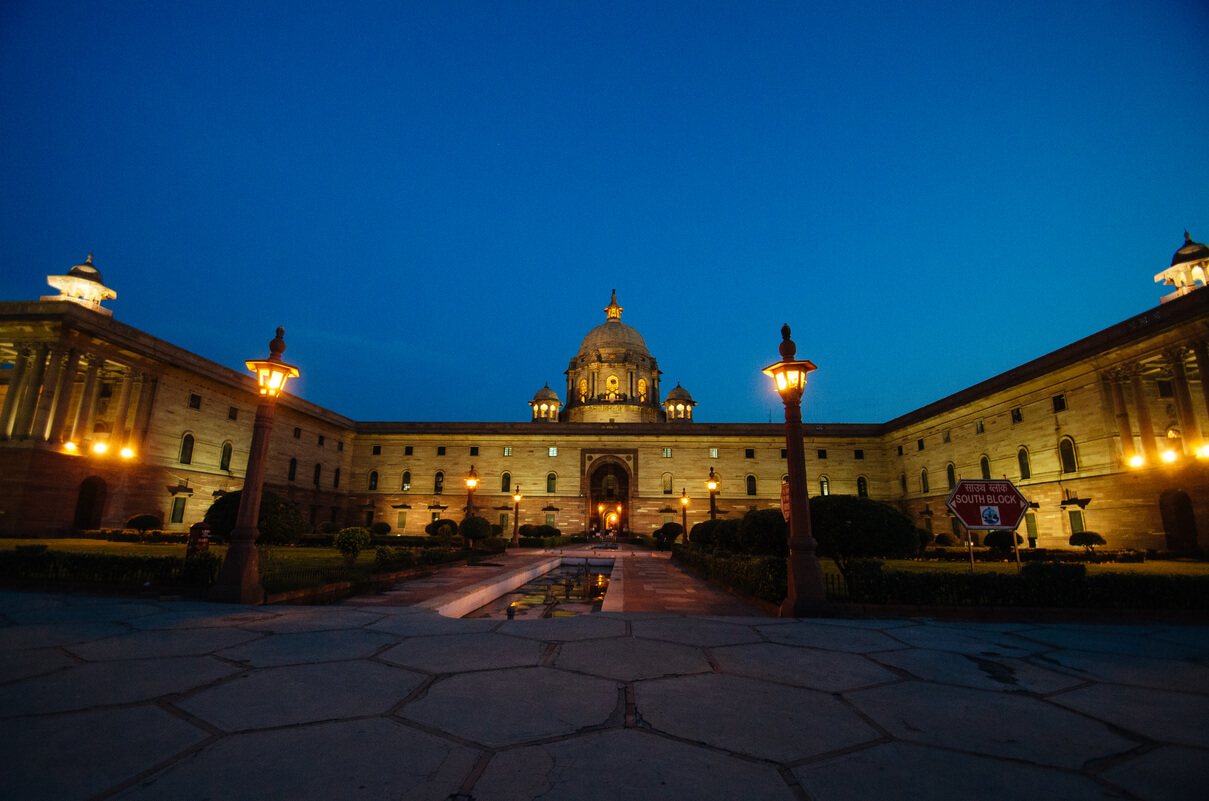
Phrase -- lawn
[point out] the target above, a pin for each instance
(1157, 567)
(283, 557)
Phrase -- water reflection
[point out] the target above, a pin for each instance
(565, 591)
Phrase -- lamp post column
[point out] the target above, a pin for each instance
(516, 519)
(806, 590)
(684, 513)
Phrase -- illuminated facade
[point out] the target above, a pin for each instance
(1106, 434)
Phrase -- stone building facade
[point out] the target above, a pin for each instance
(100, 421)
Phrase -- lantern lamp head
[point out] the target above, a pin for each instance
(272, 373)
(472, 479)
(712, 482)
(684, 496)
(789, 374)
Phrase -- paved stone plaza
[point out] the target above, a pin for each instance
(104, 697)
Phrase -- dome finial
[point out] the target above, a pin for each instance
(613, 311)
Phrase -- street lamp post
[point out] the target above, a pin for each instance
(806, 590)
(239, 578)
(684, 512)
(472, 481)
(601, 517)
(516, 518)
(712, 484)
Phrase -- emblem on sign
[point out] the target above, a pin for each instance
(990, 515)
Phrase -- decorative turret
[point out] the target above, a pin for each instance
(545, 405)
(82, 285)
(1189, 265)
(679, 405)
(613, 378)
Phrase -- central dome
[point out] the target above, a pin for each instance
(613, 336)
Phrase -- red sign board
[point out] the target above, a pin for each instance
(987, 504)
(785, 501)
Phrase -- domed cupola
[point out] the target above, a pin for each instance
(82, 284)
(1189, 265)
(679, 405)
(613, 377)
(545, 405)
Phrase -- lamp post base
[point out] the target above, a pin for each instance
(239, 577)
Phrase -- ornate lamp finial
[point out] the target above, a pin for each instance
(788, 349)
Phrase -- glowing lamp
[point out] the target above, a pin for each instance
(789, 375)
(1169, 456)
(1136, 461)
(517, 496)
(472, 479)
(70, 447)
(712, 482)
(1204, 452)
(126, 453)
(100, 447)
(684, 497)
(272, 373)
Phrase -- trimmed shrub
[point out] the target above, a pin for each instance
(474, 530)
(925, 538)
(1087, 539)
(390, 559)
(143, 523)
(1001, 539)
(328, 527)
(380, 528)
(764, 532)
(280, 521)
(762, 577)
(849, 528)
(350, 542)
(444, 531)
(944, 539)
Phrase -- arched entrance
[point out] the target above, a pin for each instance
(90, 503)
(609, 495)
(1179, 521)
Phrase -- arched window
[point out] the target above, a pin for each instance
(506, 482)
(336, 478)
(318, 473)
(667, 483)
(406, 486)
(186, 449)
(862, 487)
(224, 461)
(902, 481)
(551, 483)
(101, 427)
(293, 470)
(985, 464)
(951, 475)
(373, 480)
(824, 486)
(1022, 457)
(438, 483)
(1066, 452)
(923, 480)
(751, 485)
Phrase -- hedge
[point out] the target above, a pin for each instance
(761, 577)
(37, 562)
(387, 560)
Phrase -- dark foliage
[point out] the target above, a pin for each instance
(280, 521)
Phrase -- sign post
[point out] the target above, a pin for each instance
(988, 504)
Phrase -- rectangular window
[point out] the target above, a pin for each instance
(407, 450)
(784, 453)
(858, 454)
(667, 453)
(928, 523)
(474, 450)
(334, 511)
(369, 519)
(900, 450)
(979, 427)
(668, 519)
(1059, 403)
(550, 520)
(946, 436)
(822, 453)
(178, 509)
(554, 450)
(507, 450)
(713, 453)
(919, 444)
(339, 446)
(376, 450)
(232, 413)
(401, 524)
(749, 453)
(955, 525)
(195, 401)
(1017, 415)
(504, 520)
(1030, 525)
(436, 516)
(440, 450)
(1165, 389)
(1076, 520)
(297, 433)
(322, 439)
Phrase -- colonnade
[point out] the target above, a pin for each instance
(55, 396)
(1174, 367)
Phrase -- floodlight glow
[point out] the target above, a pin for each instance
(1168, 456)
(100, 447)
(126, 453)
(1136, 461)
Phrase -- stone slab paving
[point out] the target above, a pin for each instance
(146, 699)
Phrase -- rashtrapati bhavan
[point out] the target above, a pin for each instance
(101, 421)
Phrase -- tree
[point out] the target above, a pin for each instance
(1001, 539)
(1087, 539)
(670, 531)
(475, 529)
(849, 528)
(764, 532)
(350, 542)
(280, 521)
(143, 523)
(380, 528)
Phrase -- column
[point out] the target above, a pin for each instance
(1183, 403)
(1150, 450)
(118, 437)
(63, 393)
(84, 410)
(1128, 449)
(29, 403)
(16, 385)
(46, 403)
(142, 415)
(1201, 354)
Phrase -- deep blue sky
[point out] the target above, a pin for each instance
(436, 199)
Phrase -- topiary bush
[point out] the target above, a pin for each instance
(849, 528)
(1001, 539)
(764, 532)
(143, 523)
(380, 528)
(945, 540)
(350, 542)
(474, 530)
(280, 521)
(1087, 539)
